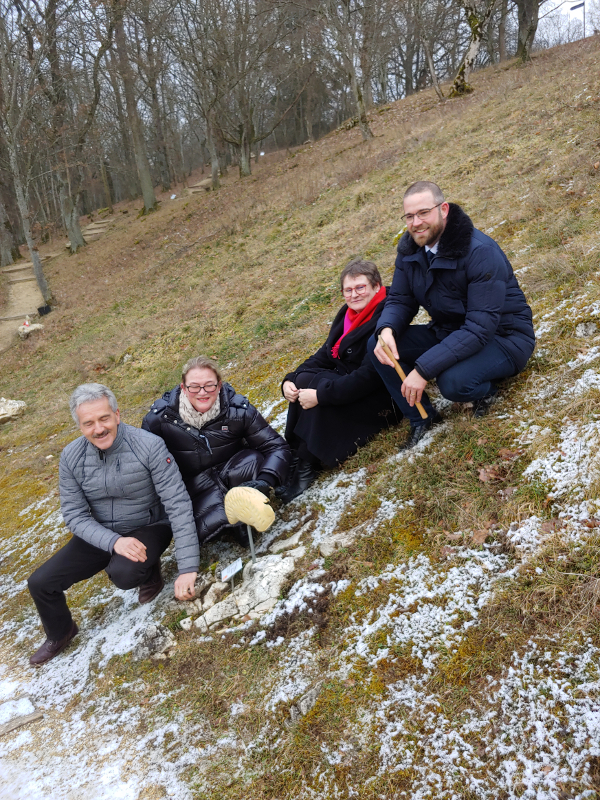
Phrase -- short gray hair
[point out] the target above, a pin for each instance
(426, 186)
(87, 393)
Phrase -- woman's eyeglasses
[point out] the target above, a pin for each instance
(209, 388)
(358, 289)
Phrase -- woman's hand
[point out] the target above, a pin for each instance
(308, 398)
(290, 391)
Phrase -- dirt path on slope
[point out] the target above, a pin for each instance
(24, 297)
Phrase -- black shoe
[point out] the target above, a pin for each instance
(417, 432)
(481, 407)
(304, 476)
(152, 587)
(261, 486)
(51, 649)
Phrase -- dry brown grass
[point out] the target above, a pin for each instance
(249, 275)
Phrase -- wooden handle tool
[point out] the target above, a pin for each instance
(400, 372)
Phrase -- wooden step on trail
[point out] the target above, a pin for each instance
(22, 315)
(21, 280)
(12, 270)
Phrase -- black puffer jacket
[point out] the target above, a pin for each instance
(238, 426)
(237, 446)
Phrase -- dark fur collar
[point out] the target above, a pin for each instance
(455, 240)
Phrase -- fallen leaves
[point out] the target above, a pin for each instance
(490, 473)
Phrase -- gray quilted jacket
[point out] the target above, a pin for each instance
(105, 494)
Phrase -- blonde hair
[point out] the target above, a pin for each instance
(201, 362)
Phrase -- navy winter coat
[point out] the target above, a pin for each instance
(470, 292)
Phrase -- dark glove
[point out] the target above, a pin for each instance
(261, 486)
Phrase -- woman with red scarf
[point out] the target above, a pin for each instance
(337, 399)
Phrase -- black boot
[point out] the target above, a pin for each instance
(304, 476)
(482, 406)
(281, 490)
(417, 432)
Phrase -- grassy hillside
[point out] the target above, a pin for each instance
(455, 644)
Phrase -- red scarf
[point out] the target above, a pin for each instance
(354, 319)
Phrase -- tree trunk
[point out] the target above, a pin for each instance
(135, 125)
(26, 222)
(245, 163)
(70, 215)
(502, 31)
(363, 122)
(6, 240)
(477, 20)
(432, 72)
(214, 155)
(528, 14)
(106, 185)
(69, 212)
(131, 184)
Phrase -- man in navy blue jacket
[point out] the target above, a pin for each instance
(481, 326)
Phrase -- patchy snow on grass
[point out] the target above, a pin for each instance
(572, 467)
(428, 609)
(539, 727)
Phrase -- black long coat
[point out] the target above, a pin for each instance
(238, 445)
(353, 404)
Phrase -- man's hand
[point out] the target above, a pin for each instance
(290, 391)
(184, 586)
(308, 398)
(387, 334)
(413, 387)
(131, 548)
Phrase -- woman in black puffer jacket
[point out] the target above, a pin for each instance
(219, 440)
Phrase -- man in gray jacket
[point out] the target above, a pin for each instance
(122, 496)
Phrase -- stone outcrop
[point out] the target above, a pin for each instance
(155, 643)
(11, 409)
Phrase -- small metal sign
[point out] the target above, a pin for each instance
(231, 569)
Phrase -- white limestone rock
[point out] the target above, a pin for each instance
(201, 623)
(339, 540)
(25, 331)
(304, 705)
(262, 581)
(221, 611)
(186, 623)
(585, 329)
(156, 641)
(11, 409)
(297, 552)
(285, 544)
(214, 595)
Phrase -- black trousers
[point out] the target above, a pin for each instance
(78, 561)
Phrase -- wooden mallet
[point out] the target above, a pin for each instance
(400, 372)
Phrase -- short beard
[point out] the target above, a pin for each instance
(434, 233)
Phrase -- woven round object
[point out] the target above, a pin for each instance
(243, 504)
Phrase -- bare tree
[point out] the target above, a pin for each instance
(135, 124)
(17, 96)
(477, 16)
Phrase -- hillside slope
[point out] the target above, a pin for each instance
(452, 649)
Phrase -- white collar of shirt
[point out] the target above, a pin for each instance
(433, 249)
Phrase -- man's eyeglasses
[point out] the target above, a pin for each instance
(420, 214)
(358, 289)
(209, 388)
